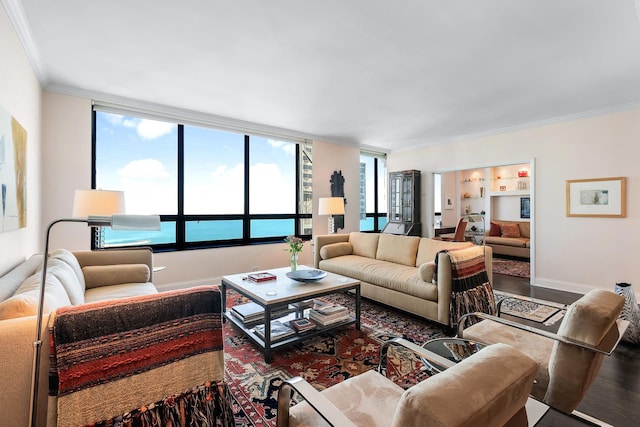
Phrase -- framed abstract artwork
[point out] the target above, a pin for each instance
(13, 173)
(602, 197)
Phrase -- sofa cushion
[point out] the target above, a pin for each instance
(124, 290)
(27, 297)
(506, 241)
(14, 278)
(104, 275)
(426, 271)
(67, 277)
(70, 259)
(398, 249)
(428, 248)
(495, 229)
(336, 249)
(510, 230)
(364, 244)
(397, 277)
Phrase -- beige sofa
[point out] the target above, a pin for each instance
(395, 270)
(519, 246)
(72, 279)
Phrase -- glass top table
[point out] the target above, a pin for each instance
(453, 349)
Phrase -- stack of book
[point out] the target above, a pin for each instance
(279, 331)
(302, 325)
(326, 313)
(251, 312)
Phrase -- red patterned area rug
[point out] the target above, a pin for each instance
(511, 267)
(323, 361)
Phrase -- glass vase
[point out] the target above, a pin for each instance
(294, 261)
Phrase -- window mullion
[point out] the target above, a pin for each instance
(180, 222)
(246, 222)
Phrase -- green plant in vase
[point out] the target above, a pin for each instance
(295, 247)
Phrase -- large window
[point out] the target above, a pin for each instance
(373, 192)
(211, 187)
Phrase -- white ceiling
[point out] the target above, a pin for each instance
(387, 74)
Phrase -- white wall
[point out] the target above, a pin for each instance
(20, 95)
(67, 130)
(571, 253)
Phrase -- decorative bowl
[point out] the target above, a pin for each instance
(307, 275)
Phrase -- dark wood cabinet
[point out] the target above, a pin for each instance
(404, 203)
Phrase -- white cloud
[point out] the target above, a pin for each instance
(287, 147)
(151, 129)
(145, 169)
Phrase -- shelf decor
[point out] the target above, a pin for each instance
(602, 197)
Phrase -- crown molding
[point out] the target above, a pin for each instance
(522, 126)
(187, 116)
(17, 16)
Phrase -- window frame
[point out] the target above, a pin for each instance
(181, 219)
(376, 214)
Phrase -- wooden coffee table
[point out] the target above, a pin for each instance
(276, 296)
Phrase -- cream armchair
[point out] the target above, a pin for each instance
(569, 361)
(489, 388)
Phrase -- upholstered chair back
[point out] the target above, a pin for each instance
(573, 369)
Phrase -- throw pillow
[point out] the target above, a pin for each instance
(25, 301)
(335, 250)
(495, 229)
(510, 230)
(116, 274)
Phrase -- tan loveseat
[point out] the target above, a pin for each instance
(504, 242)
(72, 279)
(395, 270)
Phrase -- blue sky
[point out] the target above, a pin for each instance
(139, 156)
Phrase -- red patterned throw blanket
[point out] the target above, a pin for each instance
(471, 290)
(148, 360)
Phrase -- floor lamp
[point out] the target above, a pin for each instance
(331, 206)
(116, 222)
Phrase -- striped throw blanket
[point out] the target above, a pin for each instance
(471, 290)
(149, 360)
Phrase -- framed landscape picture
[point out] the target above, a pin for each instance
(602, 197)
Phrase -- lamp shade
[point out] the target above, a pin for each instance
(88, 203)
(331, 206)
(136, 222)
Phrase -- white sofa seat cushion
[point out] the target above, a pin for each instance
(27, 297)
(124, 290)
(393, 276)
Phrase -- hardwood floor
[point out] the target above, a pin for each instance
(614, 396)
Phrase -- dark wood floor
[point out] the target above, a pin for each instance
(614, 397)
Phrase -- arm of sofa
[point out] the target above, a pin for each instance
(17, 338)
(103, 266)
(322, 240)
(444, 282)
(173, 343)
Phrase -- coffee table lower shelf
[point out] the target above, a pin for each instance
(297, 337)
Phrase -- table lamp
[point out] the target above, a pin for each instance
(331, 206)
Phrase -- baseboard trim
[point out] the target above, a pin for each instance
(575, 288)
